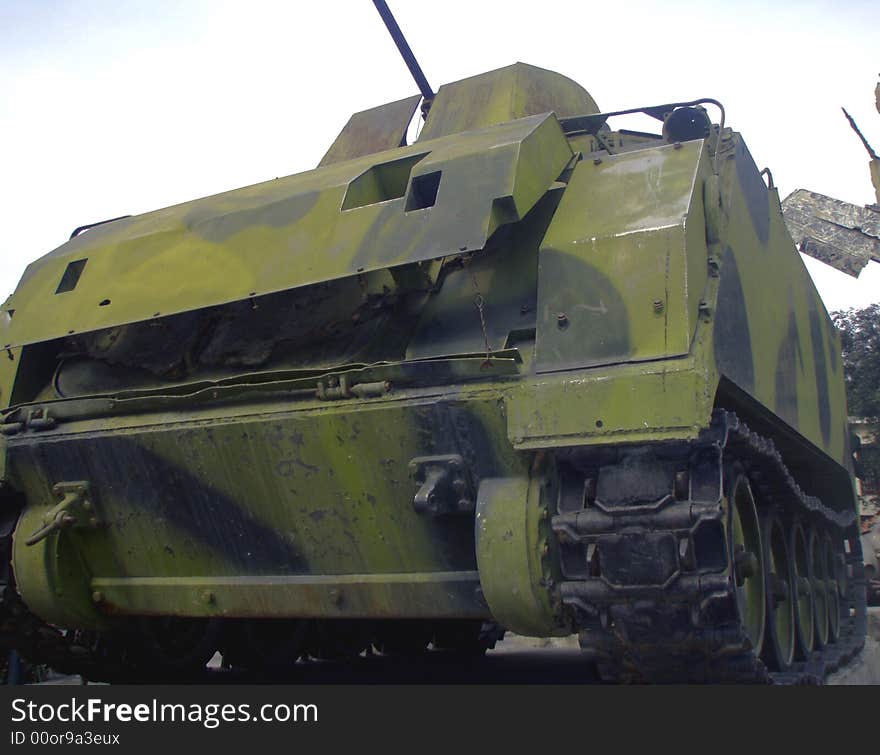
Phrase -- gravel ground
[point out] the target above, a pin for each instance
(866, 668)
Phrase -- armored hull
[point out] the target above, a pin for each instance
(526, 373)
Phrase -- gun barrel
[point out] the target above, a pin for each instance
(397, 35)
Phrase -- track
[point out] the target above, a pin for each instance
(516, 660)
(654, 602)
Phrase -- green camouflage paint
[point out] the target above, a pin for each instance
(337, 326)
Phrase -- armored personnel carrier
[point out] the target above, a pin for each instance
(526, 372)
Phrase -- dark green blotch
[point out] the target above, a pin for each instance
(755, 192)
(821, 369)
(789, 363)
(733, 341)
(595, 321)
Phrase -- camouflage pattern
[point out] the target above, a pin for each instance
(842, 235)
(456, 310)
(837, 233)
(373, 130)
(338, 221)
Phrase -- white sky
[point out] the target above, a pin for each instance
(111, 107)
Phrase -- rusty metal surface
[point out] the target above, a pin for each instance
(840, 234)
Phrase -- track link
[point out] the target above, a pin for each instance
(647, 577)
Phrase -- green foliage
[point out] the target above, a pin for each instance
(860, 336)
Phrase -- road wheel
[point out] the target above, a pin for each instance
(805, 624)
(779, 640)
(747, 555)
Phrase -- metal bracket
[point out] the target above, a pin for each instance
(339, 389)
(11, 428)
(74, 509)
(445, 485)
(38, 419)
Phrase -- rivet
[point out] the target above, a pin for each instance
(561, 320)
(97, 597)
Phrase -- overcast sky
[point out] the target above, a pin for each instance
(114, 107)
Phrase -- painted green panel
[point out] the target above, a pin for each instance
(621, 404)
(375, 596)
(294, 500)
(613, 271)
(772, 335)
(504, 276)
(287, 233)
(502, 95)
(373, 130)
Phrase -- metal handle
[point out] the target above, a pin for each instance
(73, 509)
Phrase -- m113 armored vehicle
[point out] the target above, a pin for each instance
(526, 372)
